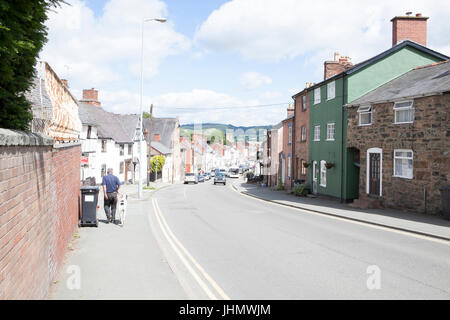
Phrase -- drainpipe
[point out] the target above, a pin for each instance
(342, 139)
(294, 169)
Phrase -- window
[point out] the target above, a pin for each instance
(304, 102)
(122, 167)
(403, 164)
(317, 133)
(288, 166)
(121, 148)
(303, 169)
(89, 132)
(130, 149)
(290, 134)
(365, 115)
(404, 112)
(316, 95)
(103, 172)
(103, 145)
(331, 90)
(330, 131)
(304, 133)
(323, 174)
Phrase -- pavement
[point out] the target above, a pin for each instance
(211, 242)
(117, 262)
(426, 225)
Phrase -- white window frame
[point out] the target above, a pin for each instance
(331, 88)
(303, 133)
(365, 110)
(303, 170)
(328, 131)
(288, 159)
(323, 174)
(304, 102)
(317, 95)
(289, 134)
(315, 127)
(403, 158)
(397, 109)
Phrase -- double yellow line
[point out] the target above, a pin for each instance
(204, 280)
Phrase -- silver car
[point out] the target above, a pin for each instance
(190, 177)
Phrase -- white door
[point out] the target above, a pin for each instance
(283, 169)
(315, 175)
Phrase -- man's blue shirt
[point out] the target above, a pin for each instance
(111, 182)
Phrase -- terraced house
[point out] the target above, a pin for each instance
(334, 167)
(402, 130)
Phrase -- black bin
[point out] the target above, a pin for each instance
(89, 200)
(445, 196)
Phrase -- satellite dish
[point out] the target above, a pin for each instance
(409, 13)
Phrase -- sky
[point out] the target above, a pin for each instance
(235, 62)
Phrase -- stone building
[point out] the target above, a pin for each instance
(401, 132)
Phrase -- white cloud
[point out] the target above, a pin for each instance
(94, 50)
(271, 30)
(253, 80)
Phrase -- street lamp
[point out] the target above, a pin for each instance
(141, 137)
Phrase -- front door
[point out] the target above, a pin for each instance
(315, 175)
(374, 173)
(283, 169)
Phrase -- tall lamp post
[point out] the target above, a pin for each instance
(141, 136)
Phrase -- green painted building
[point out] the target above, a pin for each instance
(334, 169)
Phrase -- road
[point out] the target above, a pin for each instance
(222, 244)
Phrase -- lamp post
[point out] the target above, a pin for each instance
(141, 136)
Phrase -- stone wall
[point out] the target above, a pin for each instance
(39, 208)
(428, 137)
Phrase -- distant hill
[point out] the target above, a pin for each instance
(219, 129)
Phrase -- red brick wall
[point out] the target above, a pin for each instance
(39, 199)
(414, 29)
(301, 147)
(287, 150)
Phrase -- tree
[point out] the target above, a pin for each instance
(22, 36)
(157, 163)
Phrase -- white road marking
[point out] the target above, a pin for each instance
(173, 241)
(411, 234)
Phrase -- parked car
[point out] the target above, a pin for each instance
(233, 173)
(190, 177)
(220, 178)
(201, 178)
(213, 173)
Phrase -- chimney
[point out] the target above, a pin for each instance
(90, 96)
(290, 111)
(338, 65)
(409, 27)
(157, 137)
(65, 83)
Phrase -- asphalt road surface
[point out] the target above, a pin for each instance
(224, 245)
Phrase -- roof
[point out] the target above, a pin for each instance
(165, 127)
(118, 127)
(421, 81)
(161, 148)
(361, 65)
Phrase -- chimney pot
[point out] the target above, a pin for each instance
(418, 15)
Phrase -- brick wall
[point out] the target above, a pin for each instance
(301, 147)
(39, 190)
(428, 137)
(412, 28)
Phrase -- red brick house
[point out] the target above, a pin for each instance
(287, 154)
(402, 132)
(301, 131)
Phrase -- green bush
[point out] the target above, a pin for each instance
(301, 190)
(280, 184)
